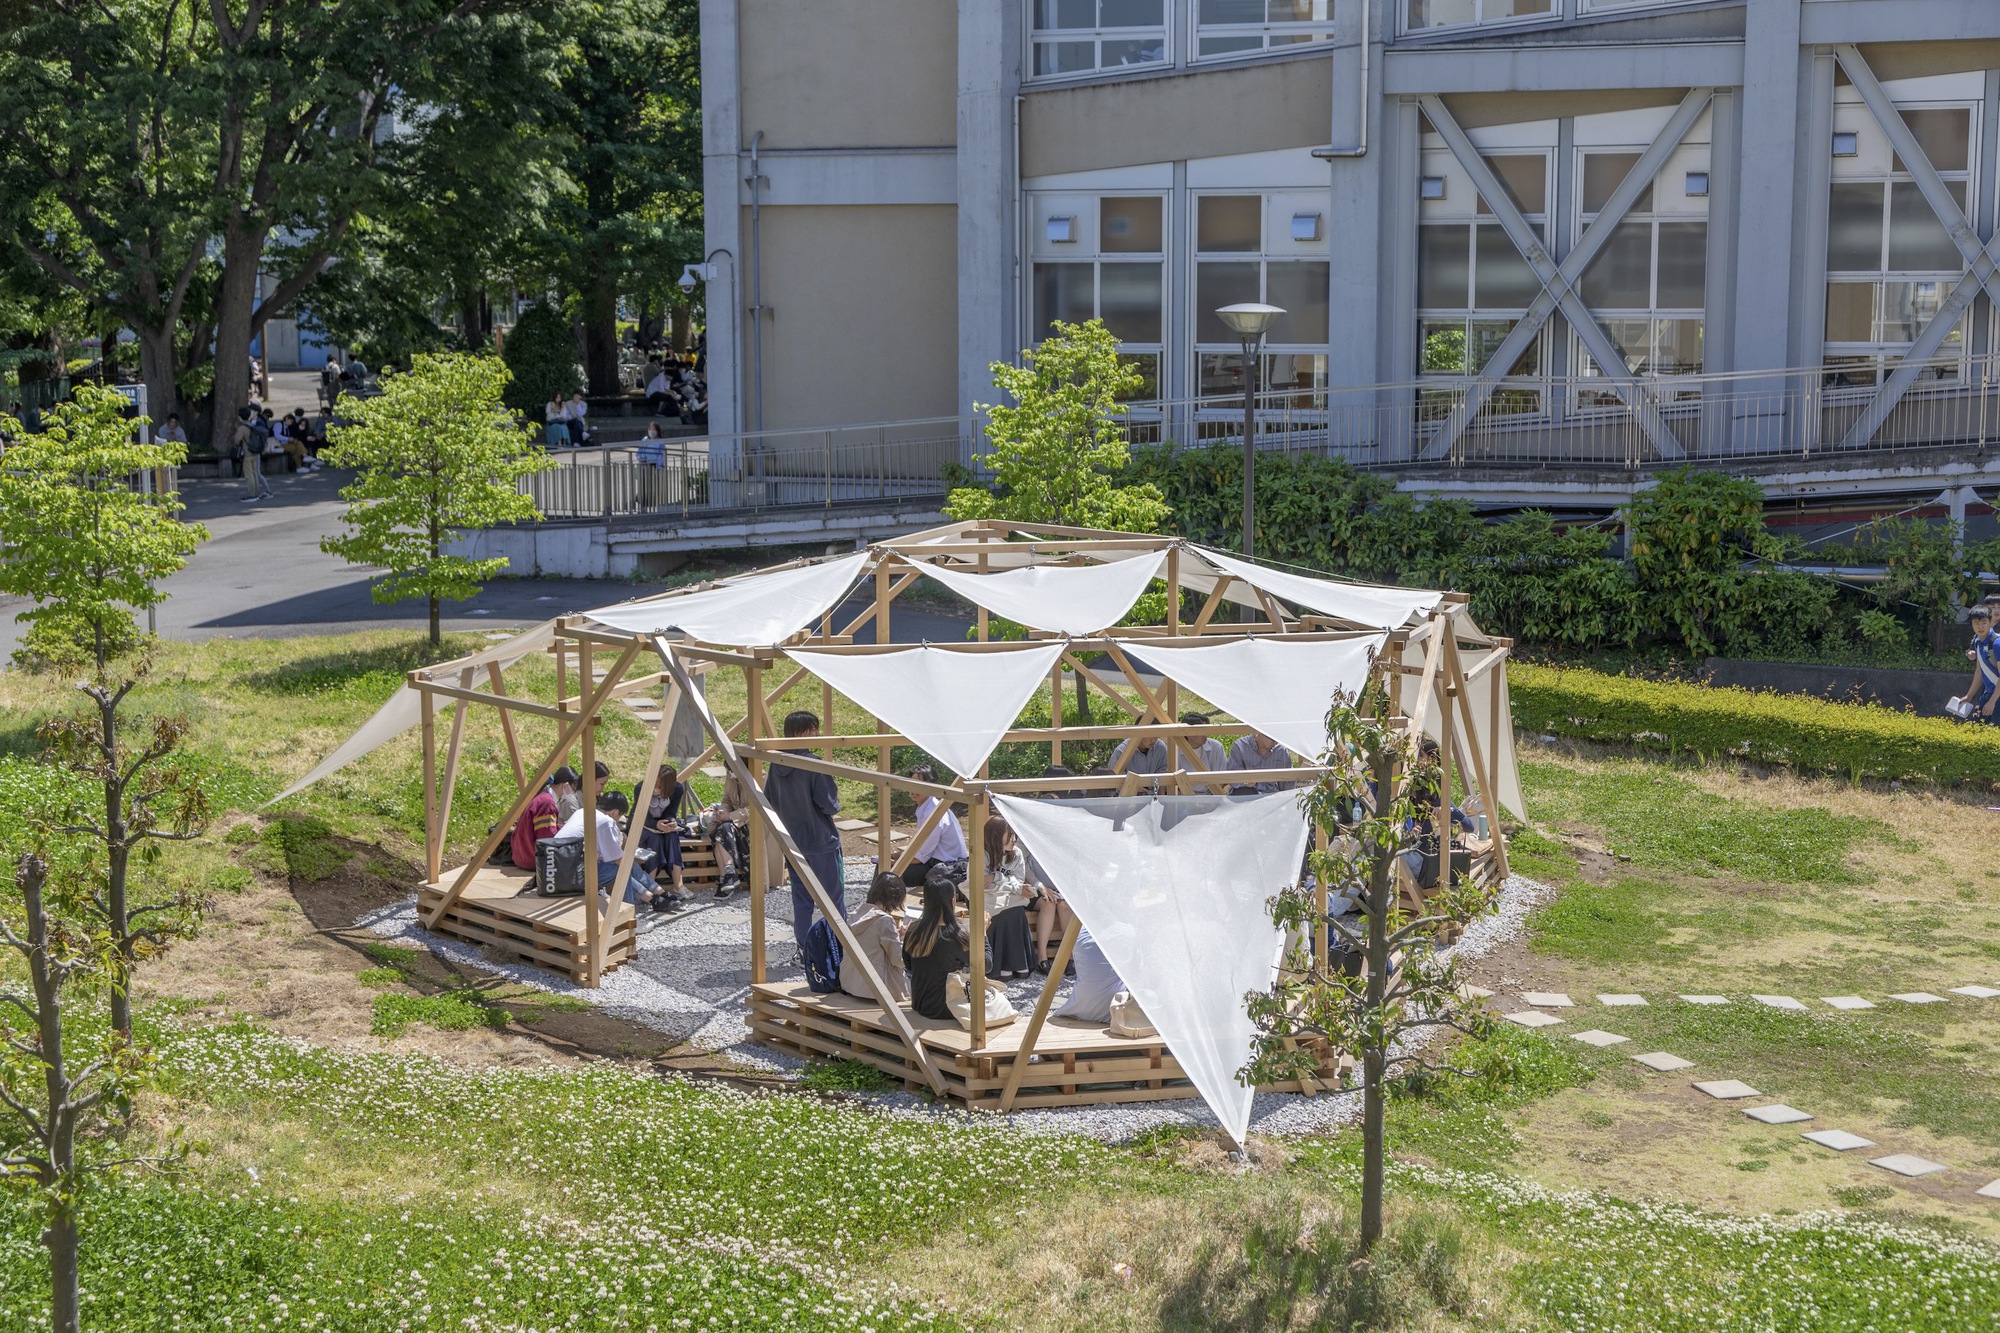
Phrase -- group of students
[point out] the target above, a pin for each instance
(260, 436)
(1253, 752)
(566, 422)
(673, 811)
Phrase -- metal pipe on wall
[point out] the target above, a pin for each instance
(756, 283)
(1360, 148)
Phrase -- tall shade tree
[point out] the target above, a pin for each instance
(1056, 450)
(1376, 790)
(437, 453)
(89, 549)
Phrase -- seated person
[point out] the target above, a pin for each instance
(879, 932)
(1096, 982)
(936, 947)
(662, 835)
(1207, 751)
(1254, 753)
(945, 844)
(569, 801)
(538, 821)
(640, 890)
(1051, 912)
(1009, 942)
(1422, 857)
(1152, 757)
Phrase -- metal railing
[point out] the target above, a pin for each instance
(768, 470)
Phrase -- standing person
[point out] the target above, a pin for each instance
(944, 848)
(806, 804)
(1982, 693)
(1254, 753)
(329, 381)
(555, 423)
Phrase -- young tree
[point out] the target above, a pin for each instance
(436, 453)
(1403, 988)
(80, 540)
(64, 1081)
(541, 360)
(1055, 452)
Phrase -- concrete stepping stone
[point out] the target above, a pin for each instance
(714, 771)
(1532, 1018)
(1919, 997)
(1706, 999)
(1727, 1089)
(1777, 1115)
(1989, 1191)
(1622, 1001)
(1907, 1164)
(1471, 992)
(1779, 1002)
(1976, 992)
(1837, 1139)
(1662, 1061)
(1548, 999)
(646, 716)
(1848, 1002)
(852, 825)
(1597, 1037)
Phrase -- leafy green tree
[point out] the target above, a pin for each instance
(89, 549)
(1691, 533)
(540, 355)
(1924, 568)
(1403, 988)
(437, 454)
(1056, 452)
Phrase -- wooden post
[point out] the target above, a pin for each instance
(593, 938)
(562, 674)
(433, 837)
(629, 854)
(984, 565)
(507, 727)
(1056, 711)
(1175, 748)
(760, 856)
(826, 693)
(975, 892)
(451, 764)
(1041, 1014)
(1501, 718)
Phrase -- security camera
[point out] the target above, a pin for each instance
(687, 282)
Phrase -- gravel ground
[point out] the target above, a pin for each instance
(692, 976)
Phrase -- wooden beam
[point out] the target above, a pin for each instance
(908, 856)
(804, 759)
(836, 916)
(1041, 1014)
(629, 854)
(506, 703)
(493, 675)
(451, 766)
(975, 895)
(593, 924)
(433, 836)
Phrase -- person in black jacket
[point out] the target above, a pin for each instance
(806, 803)
(936, 947)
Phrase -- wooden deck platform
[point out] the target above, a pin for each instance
(1075, 1063)
(499, 911)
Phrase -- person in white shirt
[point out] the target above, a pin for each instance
(555, 423)
(1207, 752)
(1151, 758)
(640, 888)
(578, 416)
(945, 846)
(1254, 753)
(661, 400)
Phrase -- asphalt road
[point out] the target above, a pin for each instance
(261, 574)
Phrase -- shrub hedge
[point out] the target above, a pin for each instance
(1857, 740)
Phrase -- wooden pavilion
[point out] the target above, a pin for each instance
(1448, 675)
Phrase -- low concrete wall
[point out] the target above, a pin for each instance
(1924, 692)
(546, 550)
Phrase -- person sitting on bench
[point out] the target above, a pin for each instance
(662, 835)
(640, 890)
(879, 932)
(944, 847)
(1257, 753)
(1151, 757)
(569, 789)
(1096, 982)
(1422, 857)
(936, 947)
(538, 821)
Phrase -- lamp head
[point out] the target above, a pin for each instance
(1249, 320)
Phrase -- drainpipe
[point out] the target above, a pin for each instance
(1360, 148)
(756, 284)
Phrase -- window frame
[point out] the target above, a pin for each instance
(1271, 206)
(1404, 28)
(1584, 365)
(1097, 257)
(1033, 37)
(1314, 32)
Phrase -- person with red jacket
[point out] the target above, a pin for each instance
(539, 820)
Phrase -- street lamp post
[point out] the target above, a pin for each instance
(1249, 321)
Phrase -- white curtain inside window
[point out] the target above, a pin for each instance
(1175, 889)
(754, 611)
(1061, 599)
(955, 703)
(1280, 685)
(1370, 605)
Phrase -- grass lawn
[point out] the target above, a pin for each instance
(381, 1143)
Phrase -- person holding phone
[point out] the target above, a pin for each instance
(663, 828)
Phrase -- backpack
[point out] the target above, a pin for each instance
(559, 867)
(822, 957)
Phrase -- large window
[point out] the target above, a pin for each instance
(1890, 263)
(1077, 36)
(1269, 248)
(1648, 285)
(1237, 27)
(1421, 14)
(1473, 286)
(1104, 260)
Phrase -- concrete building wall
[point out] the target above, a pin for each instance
(849, 73)
(862, 325)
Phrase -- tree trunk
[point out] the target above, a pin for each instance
(1082, 700)
(235, 304)
(65, 1293)
(683, 317)
(600, 340)
(156, 372)
(118, 865)
(1374, 1058)
(57, 1176)
(437, 543)
(472, 331)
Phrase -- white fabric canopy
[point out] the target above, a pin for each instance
(1062, 599)
(1372, 604)
(955, 704)
(754, 611)
(405, 708)
(1174, 890)
(1493, 725)
(1279, 685)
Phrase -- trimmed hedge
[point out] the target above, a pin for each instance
(1857, 740)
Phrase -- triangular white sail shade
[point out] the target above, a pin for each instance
(1061, 599)
(1371, 604)
(405, 708)
(1174, 890)
(1279, 685)
(754, 611)
(955, 704)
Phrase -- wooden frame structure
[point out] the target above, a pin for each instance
(597, 666)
